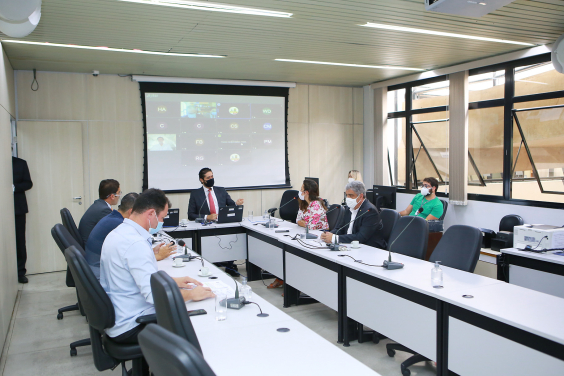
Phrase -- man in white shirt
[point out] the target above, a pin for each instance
(128, 261)
(162, 145)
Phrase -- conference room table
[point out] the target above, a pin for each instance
(245, 344)
(455, 325)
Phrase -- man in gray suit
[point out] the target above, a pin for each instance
(109, 193)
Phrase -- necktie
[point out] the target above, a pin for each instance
(210, 200)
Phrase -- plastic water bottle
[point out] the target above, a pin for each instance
(246, 290)
(437, 276)
(265, 215)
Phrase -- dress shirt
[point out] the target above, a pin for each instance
(126, 266)
(206, 189)
(110, 206)
(354, 212)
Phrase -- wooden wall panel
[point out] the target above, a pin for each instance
(7, 91)
(298, 153)
(358, 105)
(113, 98)
(298, 104)
(330, 105)
(61, 96)
(358, 148)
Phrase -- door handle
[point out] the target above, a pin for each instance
(77, 198)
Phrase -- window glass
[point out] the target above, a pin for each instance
(485, 146)
(486, 86)
(396, 147)
(430, 95)
(396, 100)
(430, 147)
(537, 78)
(543, 130)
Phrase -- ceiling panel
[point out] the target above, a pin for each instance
(325, 30)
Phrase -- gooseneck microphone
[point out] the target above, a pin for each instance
(389, 264)
(200, 219)
(237, 302)
(185, 256)
(335, 246)
(273, 210)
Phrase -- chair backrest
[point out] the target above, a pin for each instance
(290, 211)
(64, 240)
(389, 218)
(445, 207)
(509, 221)
(171, 308)
(413, 241)
(335, 214)
(171, 355)
(459, 248)
(70, 225)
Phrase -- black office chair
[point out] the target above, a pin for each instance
(413, 241)
(171, 355)
(64, 240)
(459, 248)
(100, 313)
(335, 214)
(171, 308)
(290, 210)
(509, 221)
(445, 207)
(70, 225)
(389, 218)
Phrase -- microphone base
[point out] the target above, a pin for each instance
(309, 236)
(267, 225)
(391, 265)
(236, 303)
(185, 257)
(336, 247)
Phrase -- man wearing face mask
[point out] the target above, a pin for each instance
(128, 261)
(365, 223)
(426, 204)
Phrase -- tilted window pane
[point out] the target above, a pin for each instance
(430, 95)
(537, 78)
(486, 86)
(396, 100)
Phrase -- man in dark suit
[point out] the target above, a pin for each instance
(366, 225)
(108, 193)
(21, 183)
(206, 202)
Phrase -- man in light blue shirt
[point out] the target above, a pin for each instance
(128, 261)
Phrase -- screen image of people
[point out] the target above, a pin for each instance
(161, 142)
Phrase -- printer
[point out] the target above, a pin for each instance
(538, 236)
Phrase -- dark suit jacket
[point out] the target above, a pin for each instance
(98, 210)
(366, 229)
(22, 182)
(96, 239)
(198, 199)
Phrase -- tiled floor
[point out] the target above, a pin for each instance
(38, 343)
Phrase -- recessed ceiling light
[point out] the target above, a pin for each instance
(103, 48)
(213, 7)
(350, 65)
(440, 33)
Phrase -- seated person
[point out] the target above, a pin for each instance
(108, 193)
(106, 225)
(426, 204)
(206, 202)
(128, 261)
(311, 214)
(366, 225)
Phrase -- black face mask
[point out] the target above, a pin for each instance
(209, 183)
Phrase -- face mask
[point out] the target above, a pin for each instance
(351, 203)
(351, 179)
(301, 195)
(209, 183)
(153, 231)
(425, 191)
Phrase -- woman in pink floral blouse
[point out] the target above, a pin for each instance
(312, 213)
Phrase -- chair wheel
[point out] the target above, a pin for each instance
(405, 371)
(391, 352)
(73, 352)
(59, 316)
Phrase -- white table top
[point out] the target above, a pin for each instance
(191, 226)
(548, 257)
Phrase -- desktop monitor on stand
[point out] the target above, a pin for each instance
(384, 197)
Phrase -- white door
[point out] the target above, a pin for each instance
(53, 151)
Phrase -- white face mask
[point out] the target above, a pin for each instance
(301, 195)
(351, 203)
(425, 191)
(351, 179)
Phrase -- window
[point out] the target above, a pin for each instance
(396, 151)
(396, 100)
(485, 151)
(537, 78)
(430, 95)
(486, 86)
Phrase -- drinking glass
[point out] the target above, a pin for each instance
(250, 215)
(220, 305)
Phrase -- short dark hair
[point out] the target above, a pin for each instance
(107, 187)
(203, 172)
(434, 182)
(152, 198)
(127, 201)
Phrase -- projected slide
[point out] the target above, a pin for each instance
(241, 138)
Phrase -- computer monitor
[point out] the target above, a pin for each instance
(370, 196)
(384, 196)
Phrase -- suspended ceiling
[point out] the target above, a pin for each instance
(326, 30)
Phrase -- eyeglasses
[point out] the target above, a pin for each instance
(117, 194)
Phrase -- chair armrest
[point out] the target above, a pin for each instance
(147, 319)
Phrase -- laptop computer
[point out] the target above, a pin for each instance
(229, 214)
(172, 219)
